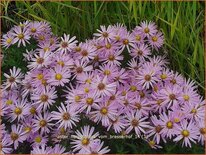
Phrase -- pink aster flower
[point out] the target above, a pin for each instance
(104, 112)
(67, 116)
(113, 58)
(156, 40)
(21, 35)
(141, 51)
(202, 131)
(155, 129)
(136, 122)
(17, 135)
(103, 87)
(19, 110)
(45, 98)
(167, 125)
(14, 78)
(138, 35)
(186, 131)
(63, 60)
(148, 28)
(147, 77)
(96, 148)
(67, 43)
(40, 60)
(42, 149)
(105, 34)
(7, 40)
(43, 123)
(38, 140)
(6, 147)
(35, 28)
(59, 76)
(83, 140)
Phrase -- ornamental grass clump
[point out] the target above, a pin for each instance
(117, 82)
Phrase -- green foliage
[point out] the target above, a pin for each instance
(181, 22)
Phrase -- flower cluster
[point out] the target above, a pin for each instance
(70, 85)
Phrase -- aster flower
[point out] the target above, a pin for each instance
(38, 140)
(83, 140)
(186, 131)
(141, 51)
(96, 148)
(156, 40)
(43, 123)
(59, 76)
(147, 77)
(17, 135)
(58, 149)
(202, 131)
(40, 60)
(19, 110)
(21, 35)
(104, 112)
(45, 98)
(66, 116)
(167, 125)
(138, 35)
(105, 34)
(35, 28)
(136, 122)
(42, 149)
(103, 87)
(113, 58)
(80, 67)
(7, 40)
(64, 60)
(6, 145)
(67, 43)
(14, 78)
(148, 28)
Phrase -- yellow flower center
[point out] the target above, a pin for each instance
(147, 77)
(105, 34)
(46, 49)
(43, 123)
(108, 46)
(186, 97)
(40, 76)
(77, 98)
(169, 125)
(58, 76)
(84, 53)
(39, 60)
(117, 38)
(14, 136)
(44, 82)
(79, 69)
(138, 106)
(41, 37)
(8, 41)
(38, 139)
(86, 90)
(17, 111)
(135, 122)
(33, 30)
(146, 30)
(101, 86)
(77, 49)
(44, 98)
(203, 130)
(138, 37)
(158, 128)
(66, 116)
(12, 79)
(172, 96)
(85, 141)
(104, 111)
(163, 76)
(125, 41)
(88, 81)
(185, 133)
(27, 129)
(194, 111)
(176, 120)
(133, 88)
(107, 72)
(111, 58)
(154, 38)
(9, 102)
(124, 92)
(159, 102)
(21, 36)
(89, 101)
(61, 63)
(33, 110)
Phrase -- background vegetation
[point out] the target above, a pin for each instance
(181, 22)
